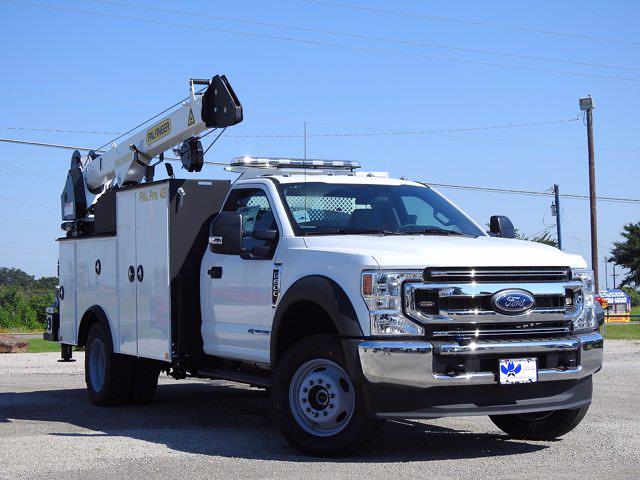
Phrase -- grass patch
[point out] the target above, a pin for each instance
(622, 332)
(38, 345)
(9, 331)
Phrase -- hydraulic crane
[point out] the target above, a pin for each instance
(129, 162)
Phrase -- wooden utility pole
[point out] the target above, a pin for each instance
(614, 276)
(586, 104)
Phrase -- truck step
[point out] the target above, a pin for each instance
(235, 376)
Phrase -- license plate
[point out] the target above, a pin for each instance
(518, 370)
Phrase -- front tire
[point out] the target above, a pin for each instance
(540, 425)
(318, 407)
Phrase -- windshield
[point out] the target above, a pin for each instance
(317, 208)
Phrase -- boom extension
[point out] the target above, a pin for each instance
(127, 162)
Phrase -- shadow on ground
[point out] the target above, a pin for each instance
(236, 422)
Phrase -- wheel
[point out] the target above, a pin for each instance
(108, 376)
(318, 407)
(540, 425)
(144, 383)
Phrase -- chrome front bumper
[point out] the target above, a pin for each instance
(410, 363)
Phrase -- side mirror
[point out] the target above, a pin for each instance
(225, 233)
(501, 226)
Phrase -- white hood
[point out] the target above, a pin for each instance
(420, 251)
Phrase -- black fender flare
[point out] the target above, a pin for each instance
(328, 295)
(97, 312)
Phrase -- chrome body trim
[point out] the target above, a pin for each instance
(410, 363)
(508, 347)
(504, 332)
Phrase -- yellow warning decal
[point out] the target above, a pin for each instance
(158, 131)
(191, 119)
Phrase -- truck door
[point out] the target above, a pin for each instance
(237, 311)
(68, 320)
(127, 286)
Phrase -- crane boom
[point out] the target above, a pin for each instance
(127, 163)
(119, 163)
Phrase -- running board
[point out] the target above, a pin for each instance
(235, 376)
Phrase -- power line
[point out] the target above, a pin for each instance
(322, 43)
(76, 147)
(531, 192)
(544, 144)
(441, 185)
(28, 248)
(470, 22)
(22, 202)
(446, 133)
(364, 37)
(49, 145)
(30, 173)
(408, 132)
(56, 130)
(608, 250)
(362, 134)
(24, 225)
(76, 97)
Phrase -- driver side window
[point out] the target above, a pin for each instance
(257, 215)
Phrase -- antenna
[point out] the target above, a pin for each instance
(306, 213)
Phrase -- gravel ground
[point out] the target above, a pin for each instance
(196, 430)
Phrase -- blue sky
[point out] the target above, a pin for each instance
(74, 71)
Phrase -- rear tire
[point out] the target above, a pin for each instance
(145, 381)
(540, 425)
(108, 376)
(318, 407)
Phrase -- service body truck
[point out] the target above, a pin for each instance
(353, 297)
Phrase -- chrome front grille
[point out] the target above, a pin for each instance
(495, 274)
(455, 302)
(502, 330)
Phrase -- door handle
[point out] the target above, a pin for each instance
(140, 273)
(215, 272)
(131, 273)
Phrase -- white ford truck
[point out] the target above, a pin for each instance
(353, 297)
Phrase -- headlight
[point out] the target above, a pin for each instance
(382, 292)
(584, 302)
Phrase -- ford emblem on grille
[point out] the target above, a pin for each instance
(512, 302)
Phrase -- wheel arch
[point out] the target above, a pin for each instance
(321, 299)
(93, 314)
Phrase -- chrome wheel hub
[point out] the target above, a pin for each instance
(322, 398)
(97, 364)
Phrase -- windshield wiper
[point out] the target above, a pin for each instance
(431, 231)
(351, 231)
(368, 231)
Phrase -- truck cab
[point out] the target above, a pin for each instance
(421, 312)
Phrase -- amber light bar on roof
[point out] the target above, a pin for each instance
(272, 162)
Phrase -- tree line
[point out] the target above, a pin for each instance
(23, 299)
